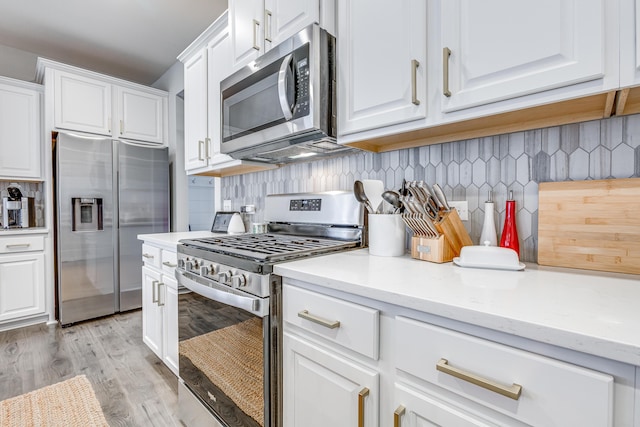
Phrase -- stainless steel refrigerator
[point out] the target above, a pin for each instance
(106, 193)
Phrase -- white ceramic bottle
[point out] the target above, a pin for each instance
(489, 227)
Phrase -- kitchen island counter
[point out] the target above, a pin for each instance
(587, 311)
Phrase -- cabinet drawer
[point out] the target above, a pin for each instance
(350, 325)
(151, 255)
(553, 393)
(169, 262)
(11, 244)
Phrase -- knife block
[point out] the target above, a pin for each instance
(453, 237)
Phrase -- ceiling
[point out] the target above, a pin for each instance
(137, 40)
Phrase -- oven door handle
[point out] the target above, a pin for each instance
(225, 295)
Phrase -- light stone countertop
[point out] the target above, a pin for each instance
(587, 311)
(171, 240)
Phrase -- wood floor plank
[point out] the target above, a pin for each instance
(132, 385)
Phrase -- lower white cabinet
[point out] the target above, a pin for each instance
(433, 371)
(22, 278)
(160, 304)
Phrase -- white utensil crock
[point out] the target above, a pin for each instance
(386, 235)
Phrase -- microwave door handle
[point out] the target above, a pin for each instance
(282, 87)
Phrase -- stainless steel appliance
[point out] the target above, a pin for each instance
(18, 212)
(281, 107)
(230, 324)
(107, 192)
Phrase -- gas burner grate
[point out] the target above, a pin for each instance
(269, 247)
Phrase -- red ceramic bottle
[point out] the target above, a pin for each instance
(509, 238)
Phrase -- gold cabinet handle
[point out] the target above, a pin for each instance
(267, 25)
(200, 145)
(121, 126)
(160, 304)
(147, 256)
(446, 53)
(397, 414)
(414, 89)
(304, 314)
(256, 26)
(169, 264)
(207, 144)
(512, 392)
(154, 292)
(363, 393)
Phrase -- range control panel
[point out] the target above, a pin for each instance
(305, 205)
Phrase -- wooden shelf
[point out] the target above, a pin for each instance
(572, 111)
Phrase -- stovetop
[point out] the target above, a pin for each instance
(268, 247)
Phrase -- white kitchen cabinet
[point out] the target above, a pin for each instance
(160, 303)
(22, 279)
(20, 137)
(207, 61)
(98, 104)
(382, 64)
(81, 103)
(258, 25)
(322, 389)
(140, 115)
(502, 50)
(629, 43)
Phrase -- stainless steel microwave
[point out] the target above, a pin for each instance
(281, 107)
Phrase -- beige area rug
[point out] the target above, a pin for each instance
(232, 359)
(70, 403)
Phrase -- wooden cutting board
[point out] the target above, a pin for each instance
(594, 225)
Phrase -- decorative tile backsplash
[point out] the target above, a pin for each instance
(28, 189)
(469, 170)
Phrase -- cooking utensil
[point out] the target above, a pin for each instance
(393, 199)
(373, 189)
(437, 191)
(361, 196)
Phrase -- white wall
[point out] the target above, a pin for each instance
(17, 64)
(172, 81)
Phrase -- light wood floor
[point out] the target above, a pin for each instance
(133, 386)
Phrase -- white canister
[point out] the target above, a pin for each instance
(386, 235)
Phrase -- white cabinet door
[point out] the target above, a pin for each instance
(414, 409)
(169, 302)
(284, 18)
(151, 311)
(140, 115)
(22, 285)
(321, 389)
(246, 24)
(195, 111)
(382, 65)
(82, 103)
(629, 43)
(502, 50)
(19, 132)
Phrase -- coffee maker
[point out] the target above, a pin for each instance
(18, 211)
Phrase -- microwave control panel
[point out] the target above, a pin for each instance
(301, 64)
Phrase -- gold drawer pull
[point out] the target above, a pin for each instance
(18, 245)
(319, 320)
(363, 393)
(512, 392)
(169, 264)
(397, 414)
(147, 256)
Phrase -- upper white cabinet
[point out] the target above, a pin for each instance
(382, 63)
(81, 103)
(196, 109)
(94, 103)
(497, 50)
(629, 43)
(20, 137)
(140, 115)
(258, 25)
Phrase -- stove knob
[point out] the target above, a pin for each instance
(208, 271)
(181, 263)
(224, 276)
(238, 281)
(188, 265)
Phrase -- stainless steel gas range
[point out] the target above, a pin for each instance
(230, 324)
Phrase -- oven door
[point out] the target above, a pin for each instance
(224, 356)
